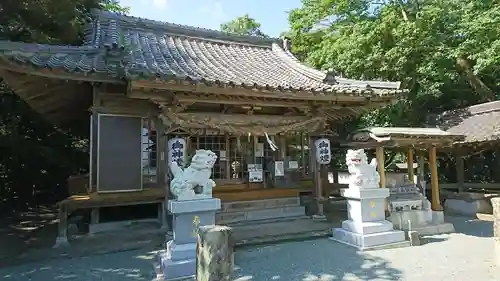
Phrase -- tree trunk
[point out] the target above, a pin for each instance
(464, 67)
(214, 253)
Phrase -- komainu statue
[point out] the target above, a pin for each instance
(197, 174)
(362, 174)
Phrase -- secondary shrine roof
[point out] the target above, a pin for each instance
(122, 47)
(479, 123)
(403, 137)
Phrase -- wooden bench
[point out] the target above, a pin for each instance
(95, 200)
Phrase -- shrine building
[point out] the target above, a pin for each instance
(153, 92)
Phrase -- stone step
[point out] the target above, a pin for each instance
(276, 231)
(268, 221)
(239, 206)
(261, 214)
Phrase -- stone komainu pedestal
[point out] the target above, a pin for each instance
(366, 227)
(179, 257)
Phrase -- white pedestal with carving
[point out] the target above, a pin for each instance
(366, 228)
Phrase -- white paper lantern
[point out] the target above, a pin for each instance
(323, 151)
(176, 148)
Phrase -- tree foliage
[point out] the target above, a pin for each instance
(244, 25)
(445, 52)
(34, 155)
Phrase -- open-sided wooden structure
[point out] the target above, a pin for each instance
(481, 126)
(136, 77)
(413, 140)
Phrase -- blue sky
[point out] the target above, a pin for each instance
(271, 14)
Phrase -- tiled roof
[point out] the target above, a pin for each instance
(73, 59)
(479, 123)
(134, 48)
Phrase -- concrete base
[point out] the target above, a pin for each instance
(434, 229)
(468, 207)
(374, 241)
(119, 225)
(61, 242)
(174, 270)
(425, 222)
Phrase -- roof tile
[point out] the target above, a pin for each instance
(134, 48)
(479, 123)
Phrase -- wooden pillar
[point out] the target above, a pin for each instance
(214, 253)
(282, 147)
(302, 155)
(460, 169)
(161, 151)
(411, 170)
(435, 204)
(228, 157)
(381, 165)
(379, 152)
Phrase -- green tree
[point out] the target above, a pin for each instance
(35, 155)
(243, 25)
(444, 51)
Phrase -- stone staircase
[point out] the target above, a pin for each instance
(259, 211)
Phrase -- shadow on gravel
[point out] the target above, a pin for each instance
(316, 260)
(472, 226)
(126, 266)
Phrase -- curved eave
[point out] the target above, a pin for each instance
(220, 87)
(63, 62)
(57, 73)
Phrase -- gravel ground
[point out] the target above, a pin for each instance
(467, 255)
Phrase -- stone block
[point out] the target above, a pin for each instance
(388, 239)
(495, 202)
(468, 207)
(366, 193)
(366, 210)
(367, 227)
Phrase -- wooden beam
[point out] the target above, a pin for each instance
(240, 91)
(435, 204)
(256, 100)
(411, 170)
(232, 100)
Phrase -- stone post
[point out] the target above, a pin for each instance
(214, 253)
(495, 202)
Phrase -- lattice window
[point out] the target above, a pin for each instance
(215, 144)
(238, 155)
(267, 159)
(149, 154)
